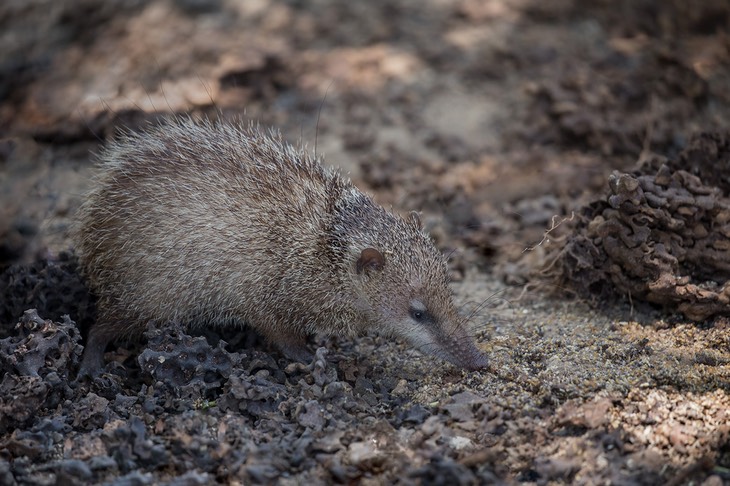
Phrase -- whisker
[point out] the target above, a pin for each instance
(450, 254)
(489, 298)
(319, 112)
(207, 89)
(162, 89)
(88, 127)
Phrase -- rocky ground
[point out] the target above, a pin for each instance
(571, 157)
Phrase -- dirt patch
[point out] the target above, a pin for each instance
(497, 120)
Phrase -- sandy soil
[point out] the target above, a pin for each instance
(570, 156)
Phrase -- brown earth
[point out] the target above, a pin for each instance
(572, 157)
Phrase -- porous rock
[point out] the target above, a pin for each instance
(662, 235)
(36, 363)
(52, 286)
(188, 365)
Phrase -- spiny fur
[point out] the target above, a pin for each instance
(202, 222)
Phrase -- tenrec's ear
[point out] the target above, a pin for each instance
(416, 219)
(370, 260)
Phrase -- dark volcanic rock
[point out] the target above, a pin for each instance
(36, 365)
(662, 235)
(52, 286)
(188, 366)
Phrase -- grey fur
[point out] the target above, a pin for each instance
(219, 223)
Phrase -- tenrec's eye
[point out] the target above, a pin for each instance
(417, 315)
